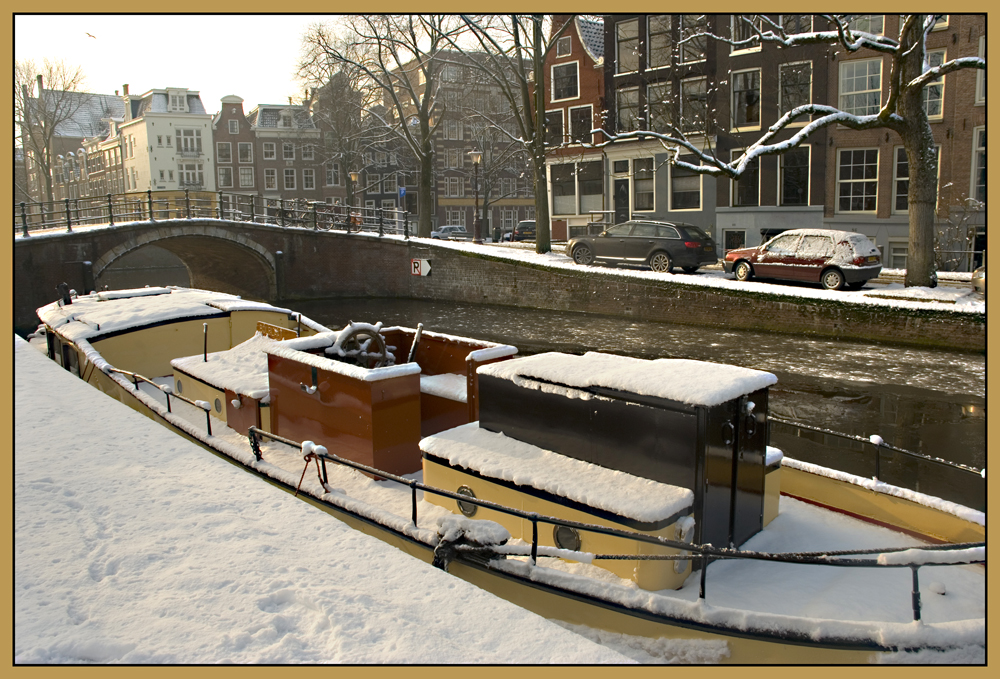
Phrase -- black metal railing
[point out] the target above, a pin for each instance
(200, 405)
(953, 481)
(151, 206)
(704, 554)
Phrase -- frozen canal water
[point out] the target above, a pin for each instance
(926, 401)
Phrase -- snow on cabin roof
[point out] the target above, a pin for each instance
(500, 457)
(242, 368)
(290, 352)
(91, 316)
(696, 383)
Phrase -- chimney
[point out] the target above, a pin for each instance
(128, 102)
(125, 89)
(39, 84)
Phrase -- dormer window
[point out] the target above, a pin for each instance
(286, 120)
(178, 102)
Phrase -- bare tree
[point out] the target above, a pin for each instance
(400, 55)
(903, 112)
(955, 239)
(44, 99)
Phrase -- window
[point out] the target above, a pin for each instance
(453, 187)
(381, 158)
(189, 141)
(940, 22)
(234, 127)
(269, 150)
(868, 23)
(901, 180)
(661, 43)
(627, 33)
(565, 84)
(451, 74)
(374, 183)
(685, 186)
(224, 152)
(563, 189)
(564, 46)
(898, 250)
(659, 109)
(177, 102)
(796, 23)
(288, 151)
(934, 90)
(744, 29)
(453, 157)
(857, 180)
(225, 177)
(170, 173)
(554, 127)
(159, 140)
(979, 164)
(794, 168)
(642, 184)
(590, 177)
(628, 109)
(333, 174)
(246, 151)
(580, 122)
(746, 189)
(162, 175)
(981, 74)
(455, 215)
(388, 183)
(694, 104)
(246, 177)
(308, 152)
(746, 99)
(308, 179)
(270, 178)
(507, 186)
(861, 86)
(794, 87)
(190, 174)
(507, 218)
(452, 129)
(289, 178)
(286, 120)
(694, 48)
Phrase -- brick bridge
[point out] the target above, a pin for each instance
(285, 264)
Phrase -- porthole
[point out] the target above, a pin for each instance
(467, 508)
(566, 538)
(180, 387)
(218, 406)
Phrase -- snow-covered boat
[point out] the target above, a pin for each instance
(633, 496)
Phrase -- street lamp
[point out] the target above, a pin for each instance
(354, 189)
(477, 224)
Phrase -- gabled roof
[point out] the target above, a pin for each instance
(591, 30)
(87, 111)
(156, 102)
(269, 115)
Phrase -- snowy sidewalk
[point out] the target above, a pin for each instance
(133, 545)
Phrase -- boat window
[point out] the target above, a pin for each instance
(467, 508)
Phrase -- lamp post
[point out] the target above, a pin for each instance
(477, 223)
(354, 190)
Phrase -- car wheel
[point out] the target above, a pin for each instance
(832, 279)
(690, 269)
(661, 262)
(582, 254)
(743, 271)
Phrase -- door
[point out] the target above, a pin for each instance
(813, 251)
(621, 201)
(610, 245)
(777, 257)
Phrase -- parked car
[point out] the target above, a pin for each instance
(979, 279)
(659, 245)
(456, 231)
(834, 259)
(525, 230)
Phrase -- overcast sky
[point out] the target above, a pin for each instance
(253, 57)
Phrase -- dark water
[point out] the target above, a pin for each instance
(926, 401)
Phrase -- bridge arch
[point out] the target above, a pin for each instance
(217, 258)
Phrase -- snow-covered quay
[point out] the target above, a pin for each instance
(133, 545)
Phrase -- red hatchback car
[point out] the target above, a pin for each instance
(834, 259)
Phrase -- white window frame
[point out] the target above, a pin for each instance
(270, 151)
(308, 152)
(732, 101)
(308, 179)
(838, 181)
(246, 172)
(552, 76)
(288, 173)
(270, 179)
(638, 43)
(840, 83)
(633, 186)
(734, 154)
(373, 183)
(781, 180)
(562, 123)
(804, 120)
(332, 173)
(388, 204)
(564, 46)
(868, 18)
(896, 179)
(941, 25)
(733, 49)
(234, 127)
(975, 161)
(940, 115)
(239, 148)
(568, 130)
(670, 192)
(287, 150)
(218, 151)
(221, 172)
(981, 75)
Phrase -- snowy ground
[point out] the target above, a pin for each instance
(139, 547)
